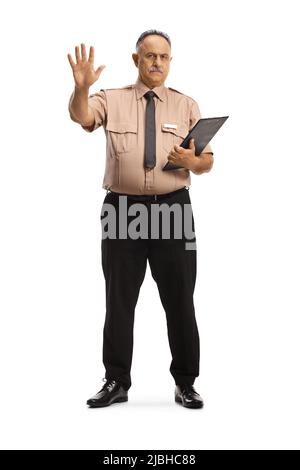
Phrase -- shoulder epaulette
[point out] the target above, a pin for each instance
(119, 88)
(174, 89)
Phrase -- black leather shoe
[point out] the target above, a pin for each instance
(111, 392)
(187, 396)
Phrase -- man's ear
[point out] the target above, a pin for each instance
(135, 58)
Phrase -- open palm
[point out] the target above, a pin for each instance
(83, 70)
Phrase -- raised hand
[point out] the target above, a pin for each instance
(83, 70)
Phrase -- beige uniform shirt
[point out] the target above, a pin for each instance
(121, 112)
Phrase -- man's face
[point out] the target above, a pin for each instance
(153, 60)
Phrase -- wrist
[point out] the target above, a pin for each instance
(203, 163)
(194, 164)
(82, 89)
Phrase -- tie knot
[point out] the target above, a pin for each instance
(149, 95)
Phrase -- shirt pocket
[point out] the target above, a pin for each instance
(122, 136)
(171, 137)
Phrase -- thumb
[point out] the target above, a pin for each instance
(99, 69)
(192, 144)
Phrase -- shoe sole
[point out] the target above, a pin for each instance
(179, 400)
(101, 405)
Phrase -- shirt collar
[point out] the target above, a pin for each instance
(141, 89)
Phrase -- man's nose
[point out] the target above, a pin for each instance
(157, 61)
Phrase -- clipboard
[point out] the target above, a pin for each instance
(203, 131)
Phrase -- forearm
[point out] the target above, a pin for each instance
(79, 107)
(202, 163)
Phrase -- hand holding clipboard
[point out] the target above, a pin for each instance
(202, 132)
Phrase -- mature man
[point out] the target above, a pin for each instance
(144, 124)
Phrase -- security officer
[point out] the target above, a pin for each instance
(144, 124)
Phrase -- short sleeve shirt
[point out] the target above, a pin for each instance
(121, 113)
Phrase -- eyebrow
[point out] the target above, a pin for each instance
(150, 52)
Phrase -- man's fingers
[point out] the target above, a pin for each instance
(91, 55)
(71, 60)
(83, 52)
(176, 150)
(83, 57)
(77, 55)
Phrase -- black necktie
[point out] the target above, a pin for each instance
(150, 135)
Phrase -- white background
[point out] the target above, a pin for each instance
(235, 58)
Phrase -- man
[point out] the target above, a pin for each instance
(144, 124)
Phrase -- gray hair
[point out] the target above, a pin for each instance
(150, 32)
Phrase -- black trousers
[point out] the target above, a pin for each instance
(173, 267)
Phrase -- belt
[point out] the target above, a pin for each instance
(149, 197)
